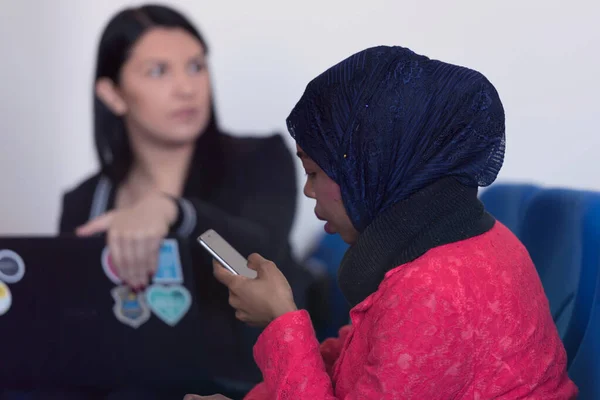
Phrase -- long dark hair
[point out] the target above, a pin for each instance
(119, 36)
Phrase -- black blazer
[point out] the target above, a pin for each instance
(249, 197)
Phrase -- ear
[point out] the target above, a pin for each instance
(108, 93)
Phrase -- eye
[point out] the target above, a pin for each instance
(196, 66)
(310, 174)
(157, 71)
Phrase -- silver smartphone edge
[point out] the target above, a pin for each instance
(215, 255)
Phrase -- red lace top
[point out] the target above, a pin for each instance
(468, 320)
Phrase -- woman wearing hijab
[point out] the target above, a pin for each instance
(446, 301)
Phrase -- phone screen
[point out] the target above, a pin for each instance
(225, 254)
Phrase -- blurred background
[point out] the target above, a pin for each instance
(541, 55)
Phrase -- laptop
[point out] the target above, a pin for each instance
(61, 326)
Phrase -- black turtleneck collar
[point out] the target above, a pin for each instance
(442, 213)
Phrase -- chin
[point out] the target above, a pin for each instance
(349, 237)
(347, 240)
(186, 134)
(178, 137)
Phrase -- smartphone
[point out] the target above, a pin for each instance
(224, 253)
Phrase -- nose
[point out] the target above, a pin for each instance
(309, 190)
(184, 85)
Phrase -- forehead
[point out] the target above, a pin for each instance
(165, 44)
(306, 160)
(301, 154)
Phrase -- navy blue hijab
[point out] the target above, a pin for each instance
(387, 122)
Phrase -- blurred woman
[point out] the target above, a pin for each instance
(167, 169)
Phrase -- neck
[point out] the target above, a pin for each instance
(442, 213)
(158, 166)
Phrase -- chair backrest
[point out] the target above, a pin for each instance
(561, 231)
(585, 369)
(327, 256)
(589, 282)
(508, 203)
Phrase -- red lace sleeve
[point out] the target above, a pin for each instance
(330, 351)
(288, 354)
(413, 340)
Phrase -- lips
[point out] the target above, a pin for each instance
(185, 113)
(328, 227)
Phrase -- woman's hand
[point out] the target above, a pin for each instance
(134, 236)
(257, 301)
(212, 397)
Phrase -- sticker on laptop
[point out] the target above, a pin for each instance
(169, 264)
(109, 267)
(130, 307)
(12, 267)
(5, 298)
(169, 303)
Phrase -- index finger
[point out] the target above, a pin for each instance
(256, 258)
(223, 275)
(97, 225)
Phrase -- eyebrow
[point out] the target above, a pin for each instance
(154, 60)
(302, 155)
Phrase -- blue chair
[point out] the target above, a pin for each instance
(327, 257)
(508, 203)
(561, 231)
(585, 369)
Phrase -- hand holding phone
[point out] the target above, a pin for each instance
(225, 254)
(258, 301)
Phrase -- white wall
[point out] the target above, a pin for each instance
(542, 55)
